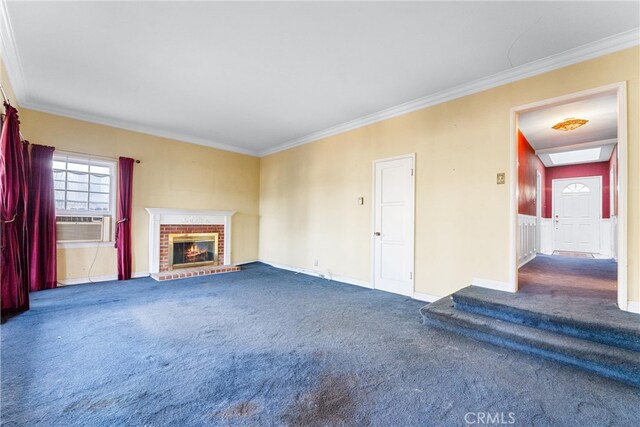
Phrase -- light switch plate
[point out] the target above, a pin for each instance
(501, 178)
(361, 200)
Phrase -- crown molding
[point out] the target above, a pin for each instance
(9, 54)
(573, 56)
(11, 58)
(120, 124)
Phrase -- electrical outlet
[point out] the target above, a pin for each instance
(315, 264)
(501, 178)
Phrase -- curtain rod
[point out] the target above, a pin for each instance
(6, 99)
(89, 154)
(4, 95)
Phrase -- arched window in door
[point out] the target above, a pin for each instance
(576, 188)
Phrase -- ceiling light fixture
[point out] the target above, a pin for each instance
(569, 124)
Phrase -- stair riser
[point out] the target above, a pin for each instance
(609, 337)
(505, 342)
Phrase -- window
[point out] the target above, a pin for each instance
(83, 184)
(576, 188)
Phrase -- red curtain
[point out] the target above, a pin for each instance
(41, 216)
(123, 224)
(14, 275)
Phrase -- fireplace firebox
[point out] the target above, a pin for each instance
(193, 250)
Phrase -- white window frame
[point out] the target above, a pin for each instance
(575, 188)
(101, 161)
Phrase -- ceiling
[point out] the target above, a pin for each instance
(601, 111)
(600, 131)
(259, 77)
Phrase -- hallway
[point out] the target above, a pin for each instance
(570, 276)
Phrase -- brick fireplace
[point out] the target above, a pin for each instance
(181, 242)
(169, 230)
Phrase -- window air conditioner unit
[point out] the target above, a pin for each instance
(83, 229)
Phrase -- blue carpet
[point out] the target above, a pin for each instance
(269, 347)
(586, 318)
(613, 362)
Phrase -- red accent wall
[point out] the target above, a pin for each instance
(528, 164)
(578, 171)
(613, 186)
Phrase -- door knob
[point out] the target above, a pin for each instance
(377, 233)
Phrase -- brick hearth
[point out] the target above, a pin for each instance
(183, 273)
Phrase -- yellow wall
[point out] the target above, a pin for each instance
(308, 194)
(172, 174)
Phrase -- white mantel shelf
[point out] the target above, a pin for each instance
(160, 216)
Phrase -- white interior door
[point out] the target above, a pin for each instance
(538, 212)
(576, 214)
(393, 225)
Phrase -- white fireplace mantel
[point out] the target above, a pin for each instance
(159, 216)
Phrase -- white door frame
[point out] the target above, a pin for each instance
(553, 204)
(611, 192)
(411, 156)
(612, 217)
(539, 190)
(621, 90)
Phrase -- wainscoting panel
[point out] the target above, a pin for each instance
(605, 237)
(608, 236)
(527, 232)
(546, 235)
(614, 236)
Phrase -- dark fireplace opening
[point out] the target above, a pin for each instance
(190, 250)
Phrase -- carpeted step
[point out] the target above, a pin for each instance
(612, 362)
(613, 327)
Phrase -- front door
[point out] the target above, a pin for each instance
(576, 214)
(393, 225)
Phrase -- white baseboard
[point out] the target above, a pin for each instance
(105, 278)
(493, 284)
(246, 262)
(633, 307)
(425, 297)
(321, 274)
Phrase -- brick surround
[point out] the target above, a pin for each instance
(166, 229)
(181, 221)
